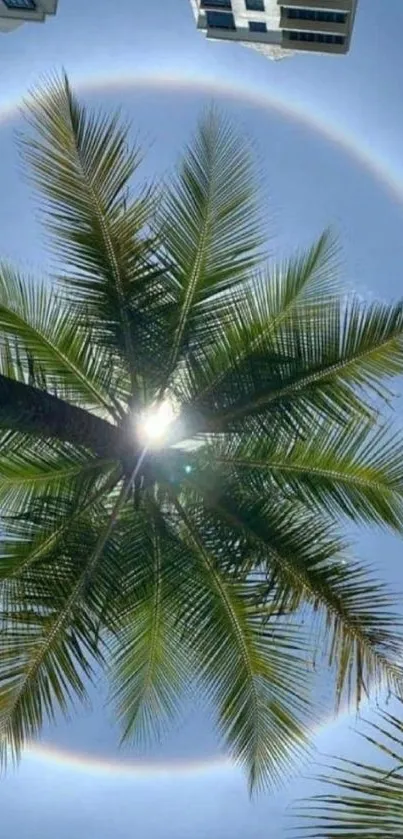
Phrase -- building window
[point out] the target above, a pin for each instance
(314, 15)
(257, 26)
(316, 37)
(220, 20)
(254, 5)
(20, 5)
(216, 4)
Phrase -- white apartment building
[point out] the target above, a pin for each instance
(13, 13)
(277, 28)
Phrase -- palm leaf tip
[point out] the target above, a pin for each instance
(364, 799)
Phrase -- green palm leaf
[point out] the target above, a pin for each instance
(366, 799)
(353, 471)
(276, 291)
(359, 626)
(321, 362)
(150, 673)
(82, 165)
(247, 666)
(29, 472)
(55, 343)
(210, 228)
(43, 521)
(43, 653)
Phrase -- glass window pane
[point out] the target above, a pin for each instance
(20, 5)
(254, 5)
(220, 20)
(257, 26)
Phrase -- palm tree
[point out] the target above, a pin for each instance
(366, 800)
(184, 426)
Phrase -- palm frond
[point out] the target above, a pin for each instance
(311, 277)
(274, 292)
(150, 669)
(46, 653)
(366, 800)
(43, 652)
(325, 362)
(210, 229)
(54, 342)
(358, 623)
(31, 533)
(252, 671)
(82, 164)
(353, 471)
(32, 470)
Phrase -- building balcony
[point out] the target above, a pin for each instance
(313, 26)
(328, 5)
(315, 42)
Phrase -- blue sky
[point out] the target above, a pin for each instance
(308, 182)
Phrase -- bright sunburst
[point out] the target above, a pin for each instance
(155, 422)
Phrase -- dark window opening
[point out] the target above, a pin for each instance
(220, 20)
(314, 15)
(316, 37)
(20, 5)
(254, 5)
(257, 26)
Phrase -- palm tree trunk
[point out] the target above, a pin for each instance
(32, 411)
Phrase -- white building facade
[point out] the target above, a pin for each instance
(277, 27)
(13, 13)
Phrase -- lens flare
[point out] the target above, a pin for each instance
(155, 422)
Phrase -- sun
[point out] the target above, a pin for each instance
(154, 423)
